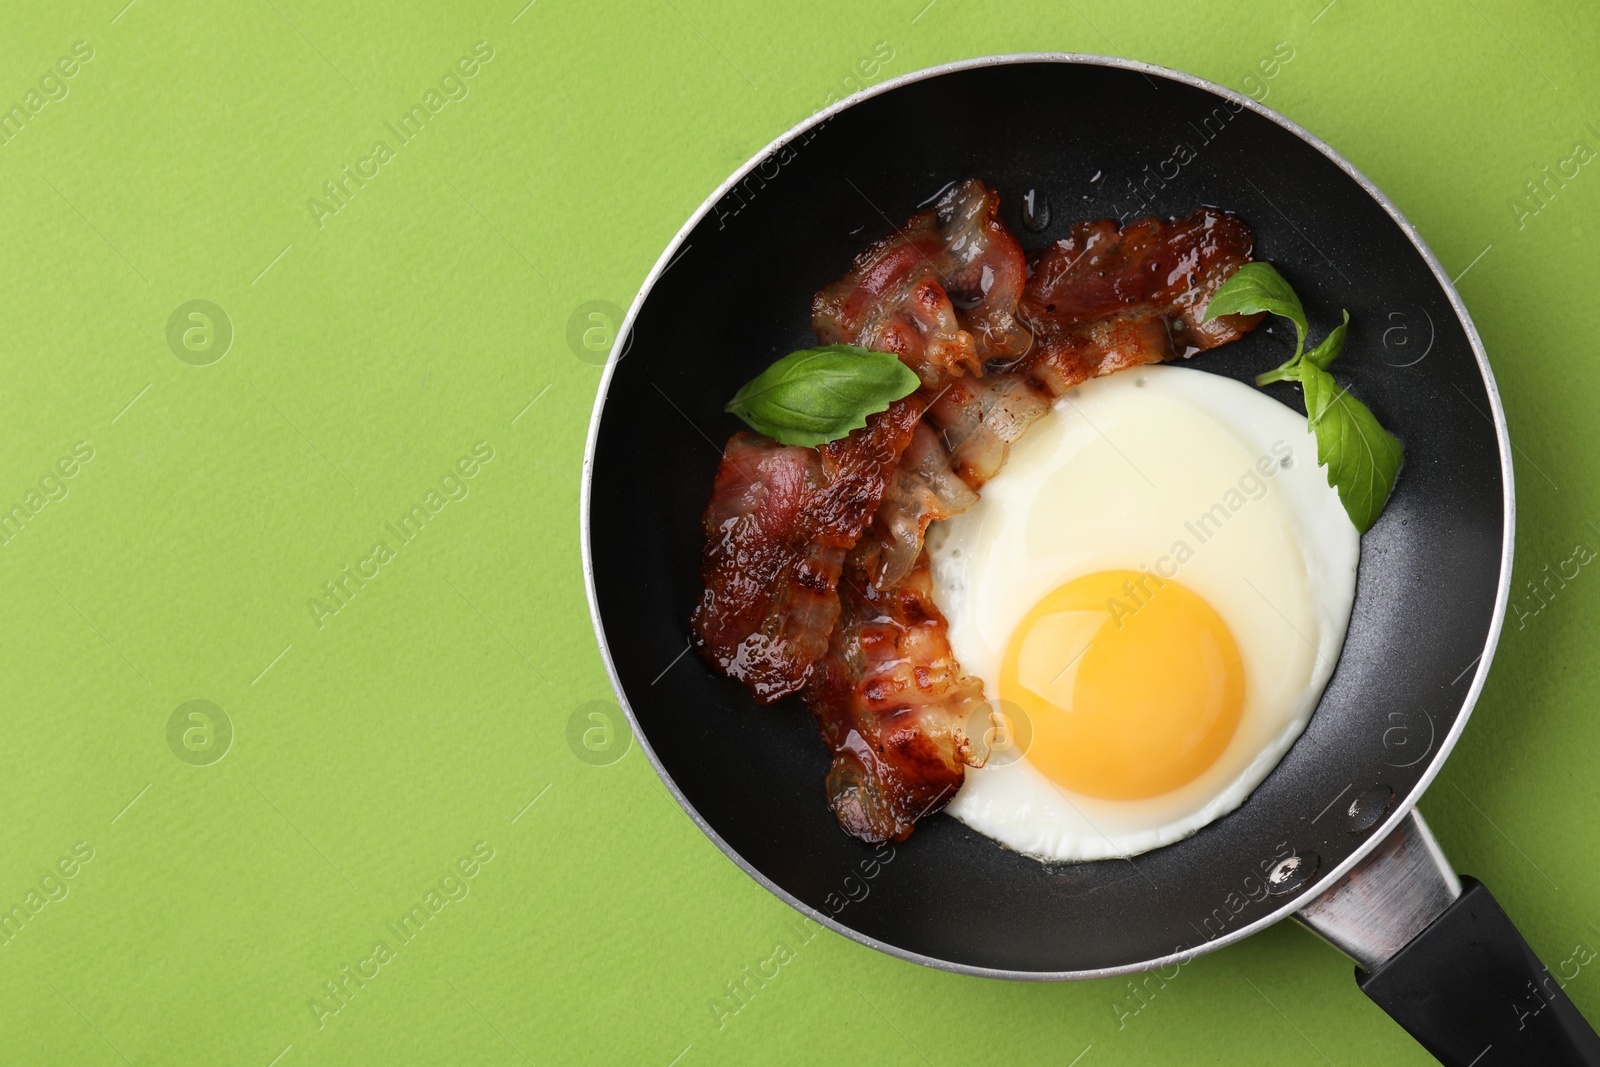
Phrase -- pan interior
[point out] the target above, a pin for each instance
(1077, 141)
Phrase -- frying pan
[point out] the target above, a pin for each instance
(1331, 836)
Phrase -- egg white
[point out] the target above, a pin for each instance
(1118, 476)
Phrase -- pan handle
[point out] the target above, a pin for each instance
(1441, 957)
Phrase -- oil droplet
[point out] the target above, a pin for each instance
(1035, 211)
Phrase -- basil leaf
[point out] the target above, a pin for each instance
(817, 395)
(1259, 287)
(1328, 351)
(1322, 355)
(1363, 459)
(1288, 372)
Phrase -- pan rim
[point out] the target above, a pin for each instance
(1502, 439)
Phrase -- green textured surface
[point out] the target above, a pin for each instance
(374, 351)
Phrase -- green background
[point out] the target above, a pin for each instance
(372, 352)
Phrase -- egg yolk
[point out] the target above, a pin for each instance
(1132, 685)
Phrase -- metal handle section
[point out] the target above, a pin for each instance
(1446, 963)
(1388, 899)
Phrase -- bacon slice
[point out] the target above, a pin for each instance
(941, 293)
(1150, 270)
(781, 518)
(780, 521)
(893, 706)
(924, 490)
(957, 256)
(1099, 300)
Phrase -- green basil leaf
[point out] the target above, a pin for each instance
(1328, 351)
(1288, 372)
(1363, 459)
(817, 395)
(1259, 287)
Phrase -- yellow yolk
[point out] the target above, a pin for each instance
(1131, 685)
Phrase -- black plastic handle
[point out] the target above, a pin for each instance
(1473, 993)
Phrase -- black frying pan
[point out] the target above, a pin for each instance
(1330, 834)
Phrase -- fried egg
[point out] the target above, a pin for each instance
(1155, 590)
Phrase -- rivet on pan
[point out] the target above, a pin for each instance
(1368, 808)
(1292, 872)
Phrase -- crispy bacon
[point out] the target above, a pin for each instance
(924, 490)
(957, 257)
(893, 706)
(1148, 271)
(1099, 300)
(781, 518)
(780, 521)
(941, 293)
